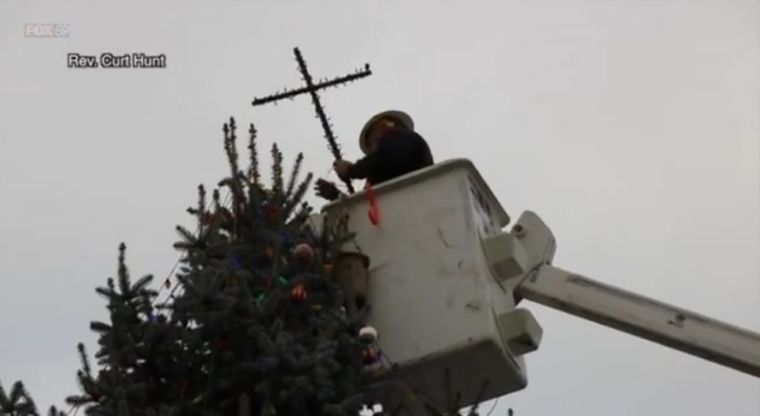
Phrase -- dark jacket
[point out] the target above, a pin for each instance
(399, 152)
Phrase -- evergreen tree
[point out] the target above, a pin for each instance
(258, 326)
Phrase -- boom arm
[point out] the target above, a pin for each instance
(645, 318)
(521, 261)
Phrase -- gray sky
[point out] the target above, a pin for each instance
(631, 127)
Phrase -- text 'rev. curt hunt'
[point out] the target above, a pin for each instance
(110, 60)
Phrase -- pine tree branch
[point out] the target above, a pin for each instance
(187, 235)
(238, 198)
(277, 180)
(298, 196)
(123, 273)
(201, 212)
(294, 175)
(254, 169)
(84, 360)
(216, 197)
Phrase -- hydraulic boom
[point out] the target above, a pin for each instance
(646, 318)
(522, 259)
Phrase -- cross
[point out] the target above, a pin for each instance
(312, 89)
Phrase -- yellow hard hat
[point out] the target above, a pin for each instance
(400, 116)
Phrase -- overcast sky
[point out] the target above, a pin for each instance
(631, 127)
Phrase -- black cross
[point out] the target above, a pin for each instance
(312, 89)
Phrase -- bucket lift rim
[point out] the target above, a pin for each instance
(421, 175)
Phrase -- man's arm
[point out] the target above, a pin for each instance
(363, 167)
(392, 152)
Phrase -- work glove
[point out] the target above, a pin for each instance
(341, 168)
(326, 190)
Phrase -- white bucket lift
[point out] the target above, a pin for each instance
(445, 279)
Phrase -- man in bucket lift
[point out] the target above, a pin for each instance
(392, 149)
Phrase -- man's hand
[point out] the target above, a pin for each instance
(341, 168)
(326, 190)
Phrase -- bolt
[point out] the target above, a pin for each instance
(519, 230)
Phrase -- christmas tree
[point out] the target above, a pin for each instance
(258, 322)
(258, 328)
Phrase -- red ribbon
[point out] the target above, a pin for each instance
(373, 212)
